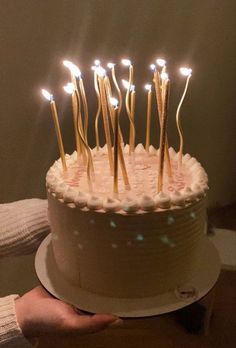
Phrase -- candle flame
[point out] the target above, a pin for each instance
(69, 88)
(100, 71)
(110, 65)
(114, 102)
(164, 76)
(132, 88)
(73, 68)
(47, 95)
(126, 62)
(161, 62)
(153, 67)
(97, 62)
(148, 87)
(126, 84)
(185, 71)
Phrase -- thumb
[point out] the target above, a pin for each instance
(95, 323)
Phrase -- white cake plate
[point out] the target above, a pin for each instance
(201, 283)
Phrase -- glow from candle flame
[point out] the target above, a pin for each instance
(164, 76)
(161, 62)
(47, 95)
(97, 62)
(126, 84)
(153, 67)
(73, 68)
(126, 62)
(132, 88)
(69, 88)
(114, 102)
(110, 65)
(185, 71)
(100, 71)
(148, 87)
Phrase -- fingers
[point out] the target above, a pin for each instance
(95, 323)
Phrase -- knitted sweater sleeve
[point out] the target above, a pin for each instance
(11, 335)
(23, 225)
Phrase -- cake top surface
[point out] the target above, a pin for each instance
(184, 186)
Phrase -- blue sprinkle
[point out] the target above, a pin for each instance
(140, 237)
(170, 220)
(164, 239)
(113, 224)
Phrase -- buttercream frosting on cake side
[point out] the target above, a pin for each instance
(137, 244)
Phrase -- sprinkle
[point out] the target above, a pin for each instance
(113, 224)
(140, 237)
(170, 220)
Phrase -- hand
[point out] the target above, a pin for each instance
(40, 314)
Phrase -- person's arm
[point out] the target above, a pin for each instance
(23, 225)
(37, 314)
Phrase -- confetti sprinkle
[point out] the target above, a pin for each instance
(140, 237)
(170, 220)
(113, 224)
(193, 215)
(114, 246)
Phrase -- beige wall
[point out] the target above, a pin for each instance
(36, 35)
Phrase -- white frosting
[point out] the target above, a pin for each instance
(147, 203)
(111, 204)
(163, 200)
(95, 203)
(177, 199)
(183, 188)
(130, 205)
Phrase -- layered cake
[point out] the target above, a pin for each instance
(127, 222)
(138, 244)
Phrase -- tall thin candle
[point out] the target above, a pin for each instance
(163, 136)
(148, 88)
(49, 97)
(188, 73)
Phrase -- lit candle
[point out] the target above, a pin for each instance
(101, 75)
(132, 114)
(49, 97)
(148, 88)
(160, 93)
(114, 103)
(95, 79)
(129, 87)
(70, 89)
(185, 72)
(127, 62)
(76, 103)
(163, 135)
(118, 150)
(113, 74)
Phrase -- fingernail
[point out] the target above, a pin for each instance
(117, 322)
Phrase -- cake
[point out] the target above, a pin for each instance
(133, 235)
(136, 245)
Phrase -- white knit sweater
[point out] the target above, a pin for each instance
(23, 225)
